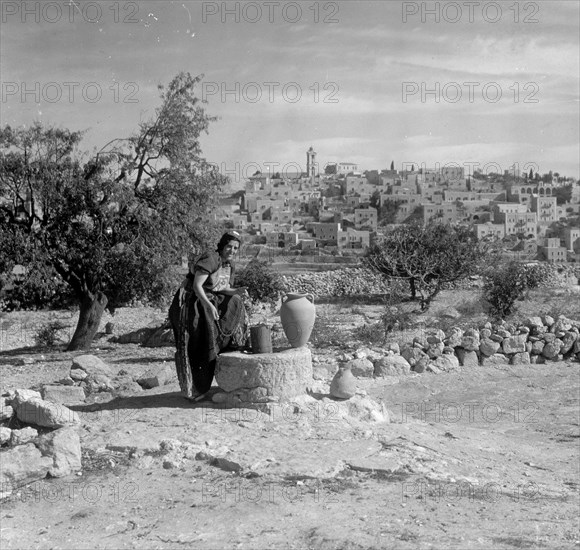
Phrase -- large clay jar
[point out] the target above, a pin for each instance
(297, 314)
(343, 385)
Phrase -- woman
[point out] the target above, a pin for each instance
(207, 316)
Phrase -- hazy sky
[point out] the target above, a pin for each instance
(365, 82)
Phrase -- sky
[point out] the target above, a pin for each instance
(484, 85)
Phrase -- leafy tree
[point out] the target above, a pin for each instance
(375, 199)
(330, 169)
(531, 174)
(111, 225)
(428, 257)
(392, 165)
(563, 194)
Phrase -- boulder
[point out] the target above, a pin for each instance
(392, 365)
(568, 341)
(454, 337)
(361, 368)
(19, 396)
(157, 376)
(63, 447)
(514, 344)
(136, 337)
(67, 395)
(22, 465)
(24, 435)
(488, 347)
(467, 358)
(548, 320)
(435, 350)
(160, 337)
(549, 337)
(92, 365)
(470, 342)
(537, 347)
(447, 362)
(45, 413)
(552, 350)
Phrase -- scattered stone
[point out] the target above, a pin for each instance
(125, 385)
(109, 328)
(63, 446)
(362, 368)
(435, 350)
(394, 347)
(78, 375)
(92, 365)
(392, 365)
(160, 337)
(448, 349)
(503, 333)
(522, 358)
(45, 413)
(432, 368)
(467, 358)
(422, 364)
(484, 333)
(497, 338)
(454, 337)
(67, 381)
(533, 322)
(548, 320)
(22, 465)
(67, 395)
(549, 337)
(136, 337)
(24, 435)
(158, 376)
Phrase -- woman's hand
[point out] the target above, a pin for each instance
(242, 291)
(214, 312)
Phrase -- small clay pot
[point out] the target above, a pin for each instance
(343, 385)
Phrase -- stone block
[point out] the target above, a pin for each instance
(284, 374)
(568, 341)
(67, 395)
(467, 358)
(22, 465)
(92, 365)
(362, 368)
(45, 413)
(63, 446)
(514, 344)
(158, 376)
(392, 365)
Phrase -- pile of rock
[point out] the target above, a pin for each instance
(52, 447)
(49, 444)
(537, 340)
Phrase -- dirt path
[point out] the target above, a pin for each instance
(481, 458)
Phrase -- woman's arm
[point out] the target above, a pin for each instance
(198, 281)
(241, 291)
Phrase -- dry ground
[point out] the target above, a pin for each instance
(480, 458)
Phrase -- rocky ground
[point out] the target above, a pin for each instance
(481, 457)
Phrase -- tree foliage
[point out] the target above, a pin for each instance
(110, 225)
(428, 256)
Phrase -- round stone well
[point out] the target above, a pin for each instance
(263, 377)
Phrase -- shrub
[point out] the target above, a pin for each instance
(506, 284)
(46, 334)
(264, 284)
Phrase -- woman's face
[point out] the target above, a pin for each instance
(229, 250)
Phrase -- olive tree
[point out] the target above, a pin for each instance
(109, 225)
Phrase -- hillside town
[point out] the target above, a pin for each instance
(343, 209)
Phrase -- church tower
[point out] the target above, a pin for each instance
(311, 163)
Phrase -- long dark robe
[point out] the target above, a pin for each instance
(199, 338)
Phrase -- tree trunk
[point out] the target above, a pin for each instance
(92, 307)
(413, 288)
